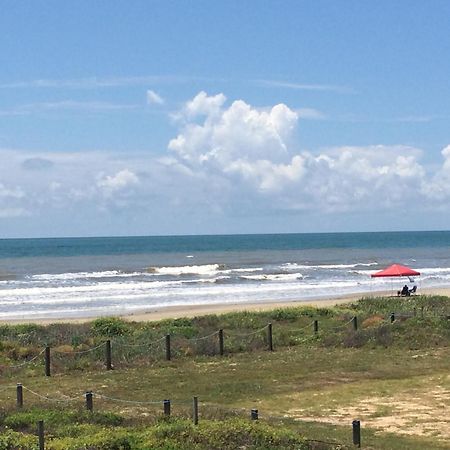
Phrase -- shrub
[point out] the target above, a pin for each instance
(110, 327)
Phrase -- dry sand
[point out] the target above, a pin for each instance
(173, 312)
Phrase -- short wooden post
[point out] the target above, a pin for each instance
(195, 410)
(392, 317)
(108, 355)
(316, 326)
(19, 395)
(40, 430)
(270, 337)
(415, 311)
(357, 433)
(89, 401)
(47, 361)
(221, 342)
(166, 404)
(254, 414)
(355, 323)
(168, 351)
(421, 311)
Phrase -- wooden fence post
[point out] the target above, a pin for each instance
(89, 401)
(195, 410)
(108, 355)
(168, 351)
(254, 414)
(19, 395)
(270, 337)
(356, 424)
(40, 430)
(316, 326)
(221, 342)
(166, 404)
(47, 361)
(355, 323)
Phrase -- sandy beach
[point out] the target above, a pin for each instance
(173, 312)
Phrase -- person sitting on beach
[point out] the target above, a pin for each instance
(405, 290)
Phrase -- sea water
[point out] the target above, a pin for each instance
(84, 277)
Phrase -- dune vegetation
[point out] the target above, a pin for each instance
(388, 368)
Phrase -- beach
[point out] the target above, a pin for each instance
(147, 278)
(174, 312)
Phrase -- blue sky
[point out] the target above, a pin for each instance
(171, 117)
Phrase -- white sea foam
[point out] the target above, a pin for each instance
(293, 266)
(274, 277)
(205, 269)
(83, 275)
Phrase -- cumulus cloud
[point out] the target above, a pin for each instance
(154, 98)
(252, 149)
(228, 159)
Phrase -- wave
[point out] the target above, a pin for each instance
(293, 266)
(83, 275)
(273, 277)
(205, 269)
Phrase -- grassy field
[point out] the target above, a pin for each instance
(394, 377)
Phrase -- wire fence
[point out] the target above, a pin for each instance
(193, 408)
(123, 352)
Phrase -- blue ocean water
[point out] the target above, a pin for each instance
(76, 277)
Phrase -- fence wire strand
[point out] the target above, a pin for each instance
(16, 366)
(44, 397)
(245, 334)
(149, 344)
(133, 402)
(80, 352)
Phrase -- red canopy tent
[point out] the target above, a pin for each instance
(396, 270)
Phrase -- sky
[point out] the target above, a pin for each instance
(174, 117)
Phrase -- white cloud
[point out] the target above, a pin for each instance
(305, 86)
(252, 150)
(123, 179)
(154, 98)
(227, 160)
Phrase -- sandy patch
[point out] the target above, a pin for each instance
(424, 413)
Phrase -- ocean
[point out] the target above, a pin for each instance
(85, 277)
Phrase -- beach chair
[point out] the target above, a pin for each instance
(413, 290)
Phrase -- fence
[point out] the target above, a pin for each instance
(113, 352)
(165, 406)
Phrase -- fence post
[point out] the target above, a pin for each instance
(392, 317)
(166, 404)
(357, 433)
(254, 414)
(19, 395)
(40, 430)
(108, 355)
(270, 337)
(355, 323)
(316, 326)
(421, 312)
(415, 311)
(168, 352)
(89, 401)
(47, 361)
(195, 410)
(221, 342)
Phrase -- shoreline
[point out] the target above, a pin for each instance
(174, 312)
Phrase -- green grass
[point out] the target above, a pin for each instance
(372, 374)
